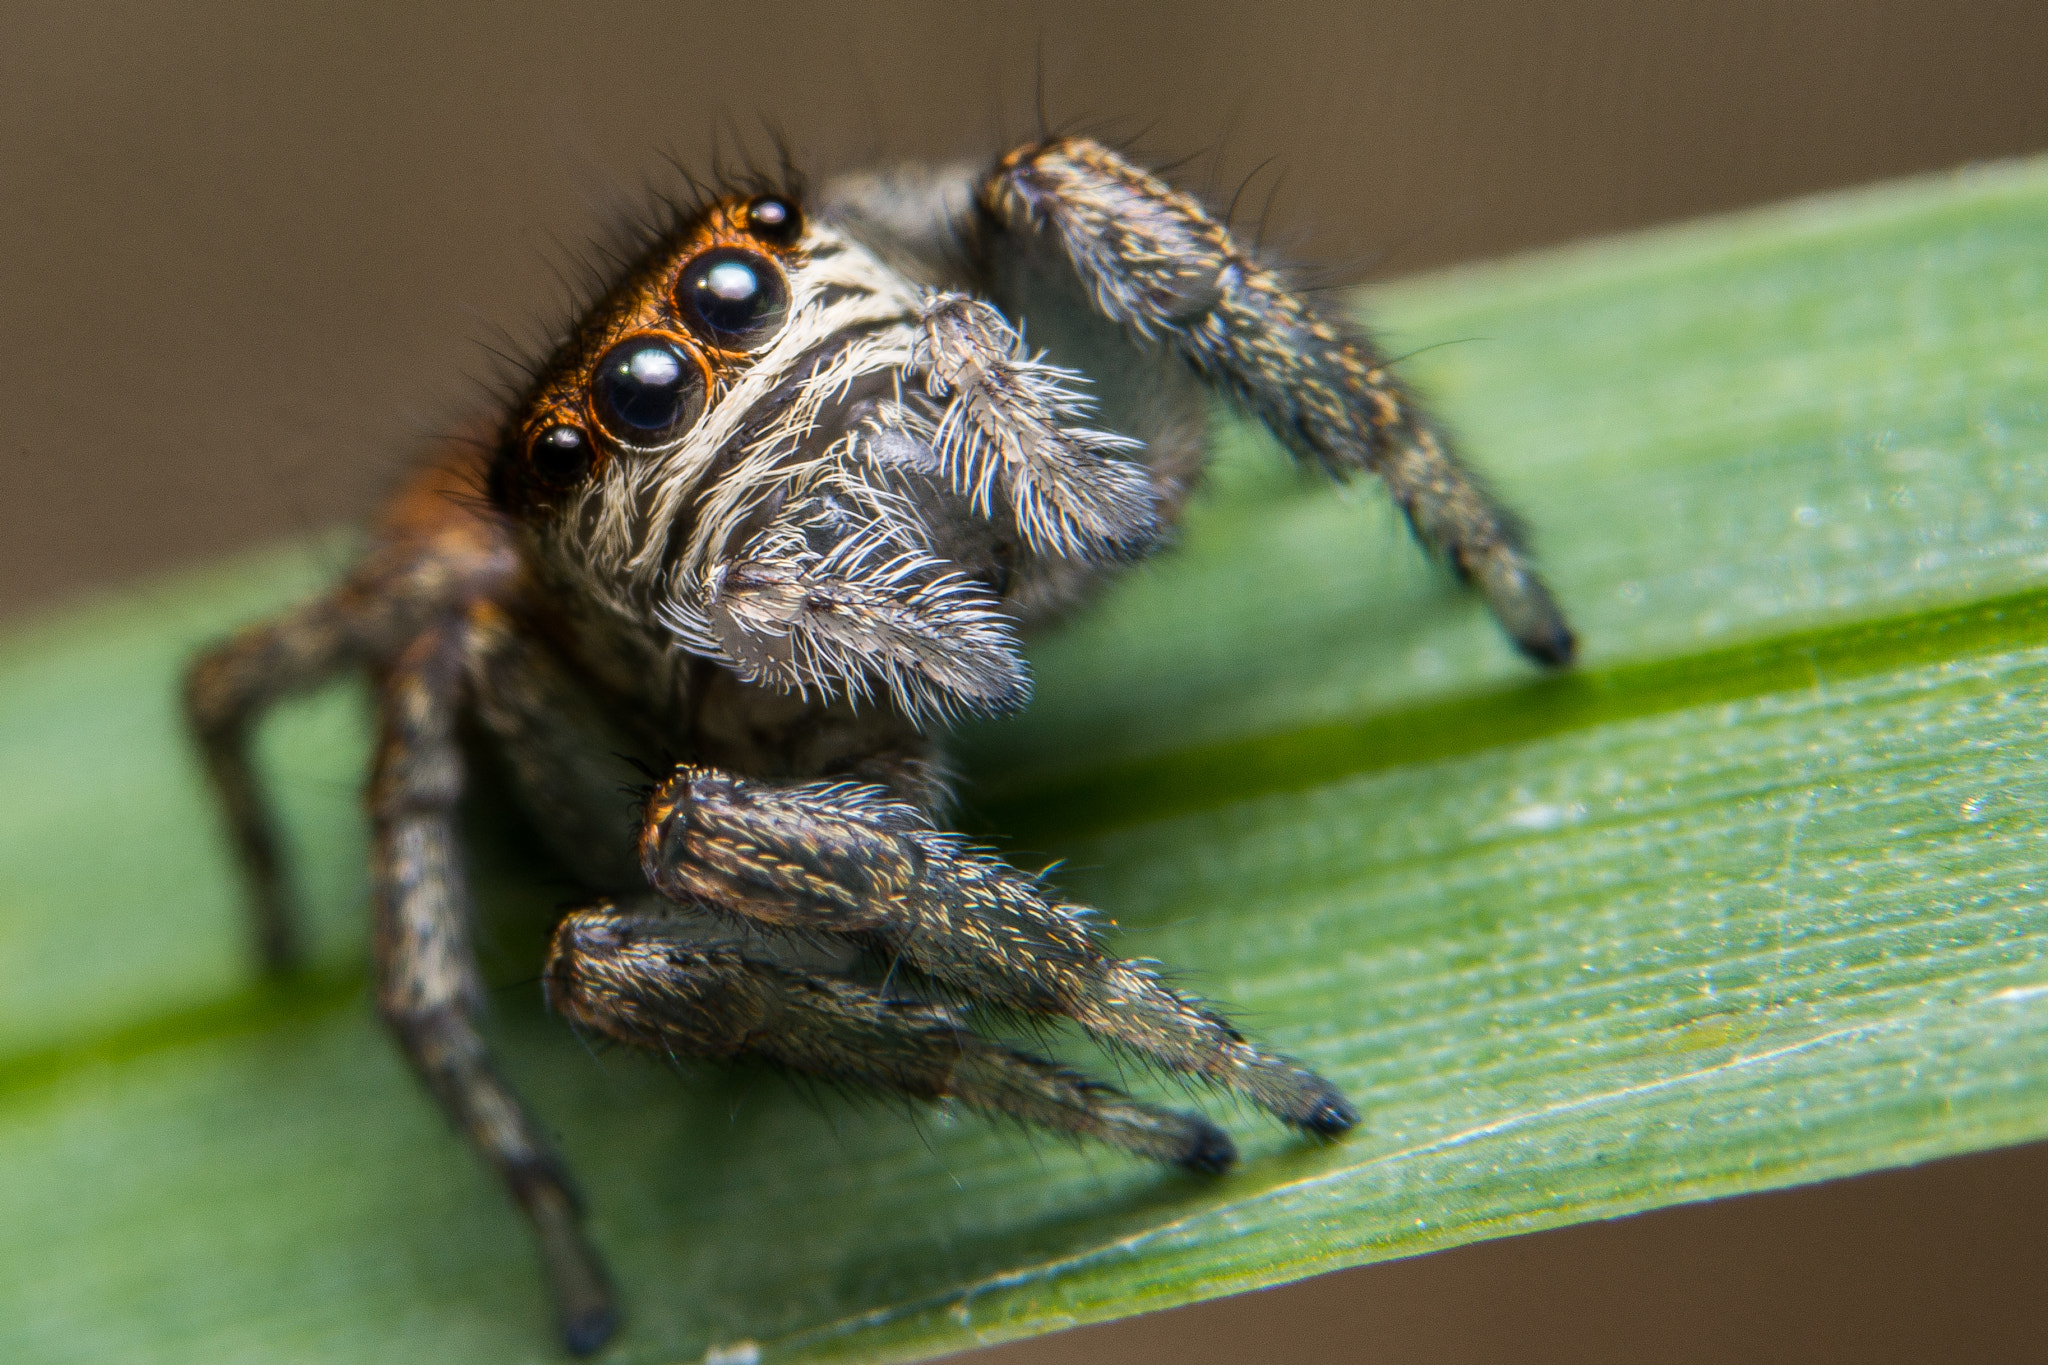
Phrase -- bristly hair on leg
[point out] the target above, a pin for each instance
(1154, 261)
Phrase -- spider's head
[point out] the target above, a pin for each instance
(722, 460)
(644, 363)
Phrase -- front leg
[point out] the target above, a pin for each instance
(1151, 260)
(686, 982)
(844, 859)
(428, 987)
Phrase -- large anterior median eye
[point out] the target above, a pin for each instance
(647, 390)
(735, 298)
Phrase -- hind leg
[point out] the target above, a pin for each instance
(227, 690)
(428, 988)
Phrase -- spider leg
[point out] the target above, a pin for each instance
(1152, 261)
(428, 987)
(226, 690)
(842, 859)
(422, 561)
(691, 983)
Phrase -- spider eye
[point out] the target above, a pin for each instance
(775, 220)
(647, 390)
(560, 455)
(737, 299)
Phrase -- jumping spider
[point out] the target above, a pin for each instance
(782, 503)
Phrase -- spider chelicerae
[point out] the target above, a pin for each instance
(783, 503)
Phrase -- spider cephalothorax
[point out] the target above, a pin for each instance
(783, 501)
(829, 479)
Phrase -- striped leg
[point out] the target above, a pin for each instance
(826, 858)
(681, 982)
(428, 987)
(1152, 261)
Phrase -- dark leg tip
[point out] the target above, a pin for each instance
(587, 1332)
(1210, 1151)
(1553, 647)
(1330, 1116)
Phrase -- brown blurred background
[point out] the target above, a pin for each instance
(247, 259)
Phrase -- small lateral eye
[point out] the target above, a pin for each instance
(560, 455)
(735, 298)
(647, 390)
(775, 220)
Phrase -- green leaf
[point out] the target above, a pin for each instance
(1752, 898)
